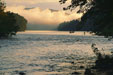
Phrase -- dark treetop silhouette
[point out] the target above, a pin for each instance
(97, 13)
(10, 22)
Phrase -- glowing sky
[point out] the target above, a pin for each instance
(54, 4)
(41, 16)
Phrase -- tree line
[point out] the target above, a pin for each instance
(10, 23)
(74, 25)
(69, 26)
(98, 14)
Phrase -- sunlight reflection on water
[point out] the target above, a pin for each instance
(48, 52)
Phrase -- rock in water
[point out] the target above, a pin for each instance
(22, 73)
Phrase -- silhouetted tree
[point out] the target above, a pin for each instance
(98, 12)
(20, 22)
(10, 22)
(2, 6)
(7, 25)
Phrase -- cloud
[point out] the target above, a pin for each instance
(37, 16)
(29, 1)
(37, 3)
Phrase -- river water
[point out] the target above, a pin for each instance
(49, 52)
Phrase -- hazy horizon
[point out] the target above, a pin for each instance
(41, 15)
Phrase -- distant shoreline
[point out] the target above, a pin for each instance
(57, 32)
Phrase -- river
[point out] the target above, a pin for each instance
(49, 52)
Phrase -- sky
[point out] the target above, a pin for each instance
(43, 14)
(36, 3)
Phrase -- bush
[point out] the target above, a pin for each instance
(103, 63)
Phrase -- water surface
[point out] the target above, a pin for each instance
(49, 52)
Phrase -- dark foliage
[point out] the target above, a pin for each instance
(10, 22)
(103, 63)
(20, 22)
(98, 12)
(74, 3)
(69, 26)
(2, 6)
(7, 24)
